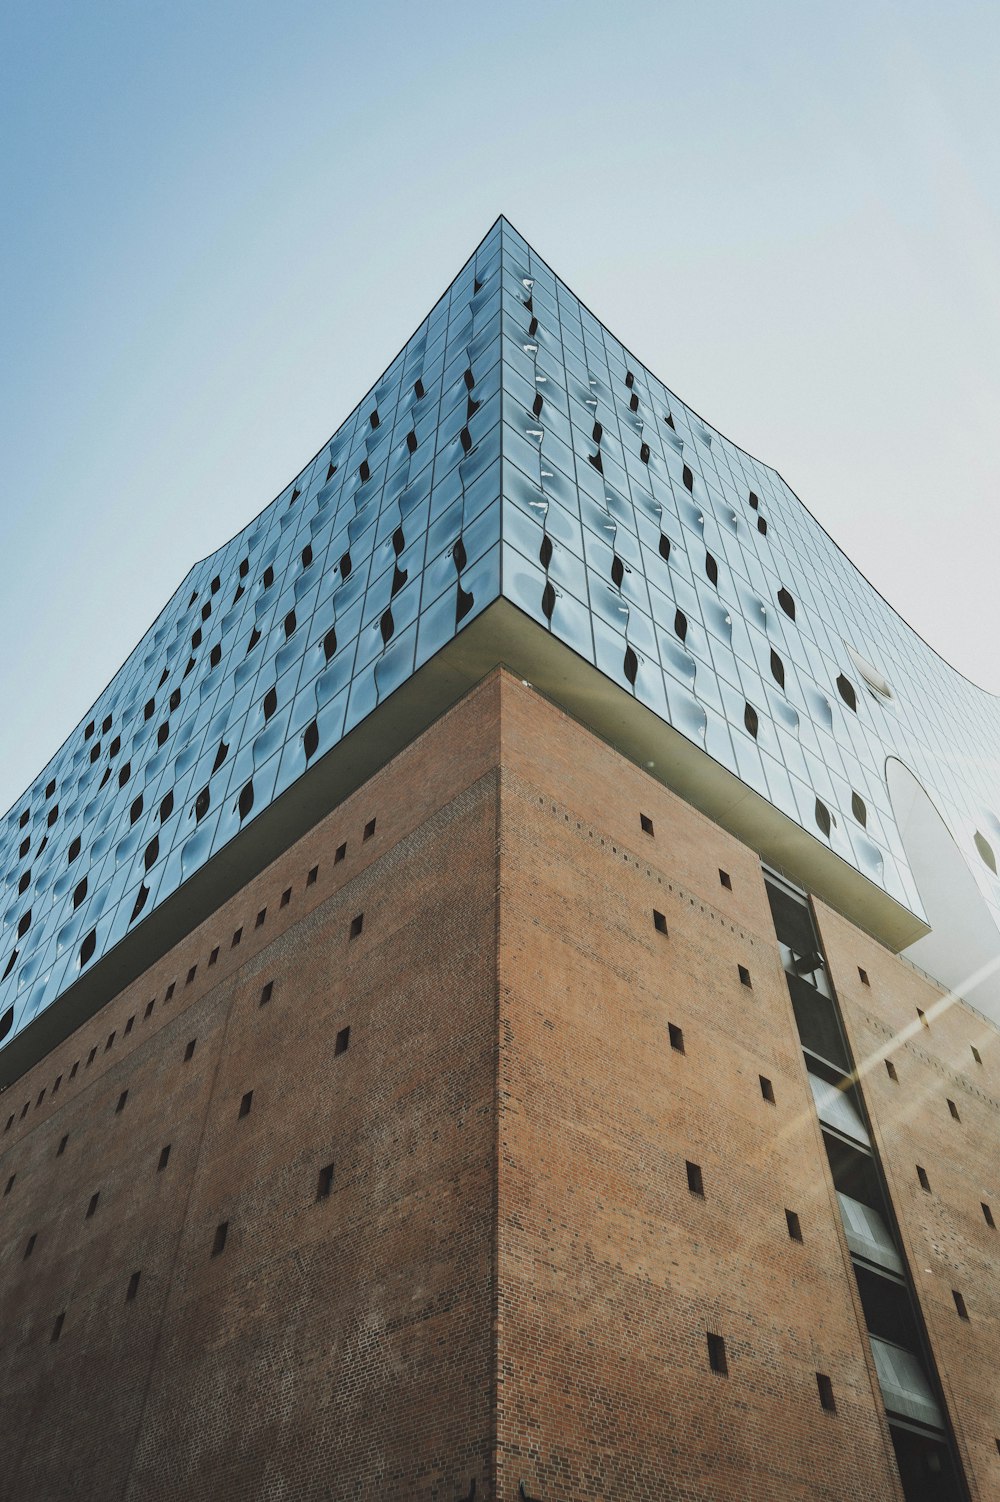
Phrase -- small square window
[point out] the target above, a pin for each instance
(864, 976)
(340, 854)
(92, 1207)
(924, 1181)
(745, 977)
(286, 897)
(121, 1102)
(149, 1009)
(62, 1145)
(245, 1104)
(237, 936)
(794, 1225)
(266, 993)
(357, 923)
(676, 1037)
(164, 1158)
(343, 1040)
(219, 1240)
(726, 880)
(170, 991)
(324, 1182)
(646, 823)
(717, 1355)
(213, 958)
(191, 974)
(259, 920)
(130, 1024)
(659, 922)
(311, 878)
(963, 1313)
(766, 1088)
(133, 1287)
(988, 1216)
(369, 830)
(976, 1054)
(189, 1051)
(954, 1110)
(826, 1397)
(890, 1070)
(695, 1182)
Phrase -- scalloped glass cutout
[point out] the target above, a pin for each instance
(873, 680)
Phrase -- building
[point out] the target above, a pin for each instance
(499, 996)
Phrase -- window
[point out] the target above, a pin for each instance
(121, 1102)
(659, 922)
(91, 1056)
(60, 1320)
(341, 852)
(62, 1145)
(10, 1183)
(130, 1024)
(343, 1039)
(170, 991)
(717, 1355)
(646, 824)
(794, 1225)
(676, 1037)
(30, 1247)
(954, 1110)
(963, 1313)
(890, 1070)
(93, 1204)
(286, 897)
(356, 925)
(189, 1051)
(191, 974)
(149, 1009)
(219, 1240)
(694, 1178)
(245, 1104)
(987, 1214)
(975, 1053)
(266, 993)
(133, 1287)
(259, 920)
(745, 977)
(864, 976)
(923, 1019)
(164, 1158)
(369, 830)
(213, 958)
(311, 878)
(766, 1089)
(237, 936)
(324, 1183)
(72, 1073)
(925, 1182)
(826, 1393)
(58, 1079)
(726, 880)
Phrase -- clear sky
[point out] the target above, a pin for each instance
(222, 220)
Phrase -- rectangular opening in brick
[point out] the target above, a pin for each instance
(267, 991)
(340, 853)
(357, 923)
(10, 1183)
(343, 1039)
(988, 1216)
(676, 1037)
(794, 1225)
(863, 974)
(245, 1104)
(963, 1313)
(659, 922)
(121, 1102)
(745, 977)
(189, 1051)
(130, 1024)
(149, 1009)
(646, 824)
(170, 990)
(717, 1355)
(90, 1059)
(923, 1018)
(133, 1288)
(890, 1070)
(62, 1145)
(311, 878)
(164, 1158)
(213, 958)
(975, 1053)
(237, 936)
(696, 1184)
(766, 1088)
(286, 897)
(324, 1182)
(219, 1239)
(369, 830)
(30, 1247)
(954, 1110)
(92, 1207)
(259, 920)
(725, 879)
(191, 974)
(826, 1397)
(60, 1320)
(925, 1182)
(110, 1043)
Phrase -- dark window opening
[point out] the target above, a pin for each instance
(357, 923)
(963, 1312)
(286, 897)
(168, 993)
(259, 920)
(786, 602)
(676, 1037)
(10, 1184)
(923, 1018)
(863, 975)
(57, 1327)
(696, 1183)
(766, 1089)
(213, 958)
(219, 1240)
(237, 936)
(369, 830)
(340, 854)
(30, 1247)
(191, 975)
(62, 1145)
(92, 1207)
(245, 1104)
(890, 1070)
(133, 1288)
(266, 993)
(717, 1355)
(826, 1397)
(745, 977)
(130, 1024)
(646, 823)
(121, 1102)
(324, 1182)
(726, 880)
(954, 1111)
(975, 1053)
(149, 1010)
(659, 922)
(988, 1215)
(925, 1182)
(189, 1051)
(794, 1225)
(846, 690)
(164, 1158)
(343, 1041)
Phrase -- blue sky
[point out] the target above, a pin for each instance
(222, 221)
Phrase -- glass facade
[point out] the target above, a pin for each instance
(513, 448)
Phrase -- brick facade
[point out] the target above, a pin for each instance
(510, 1278)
